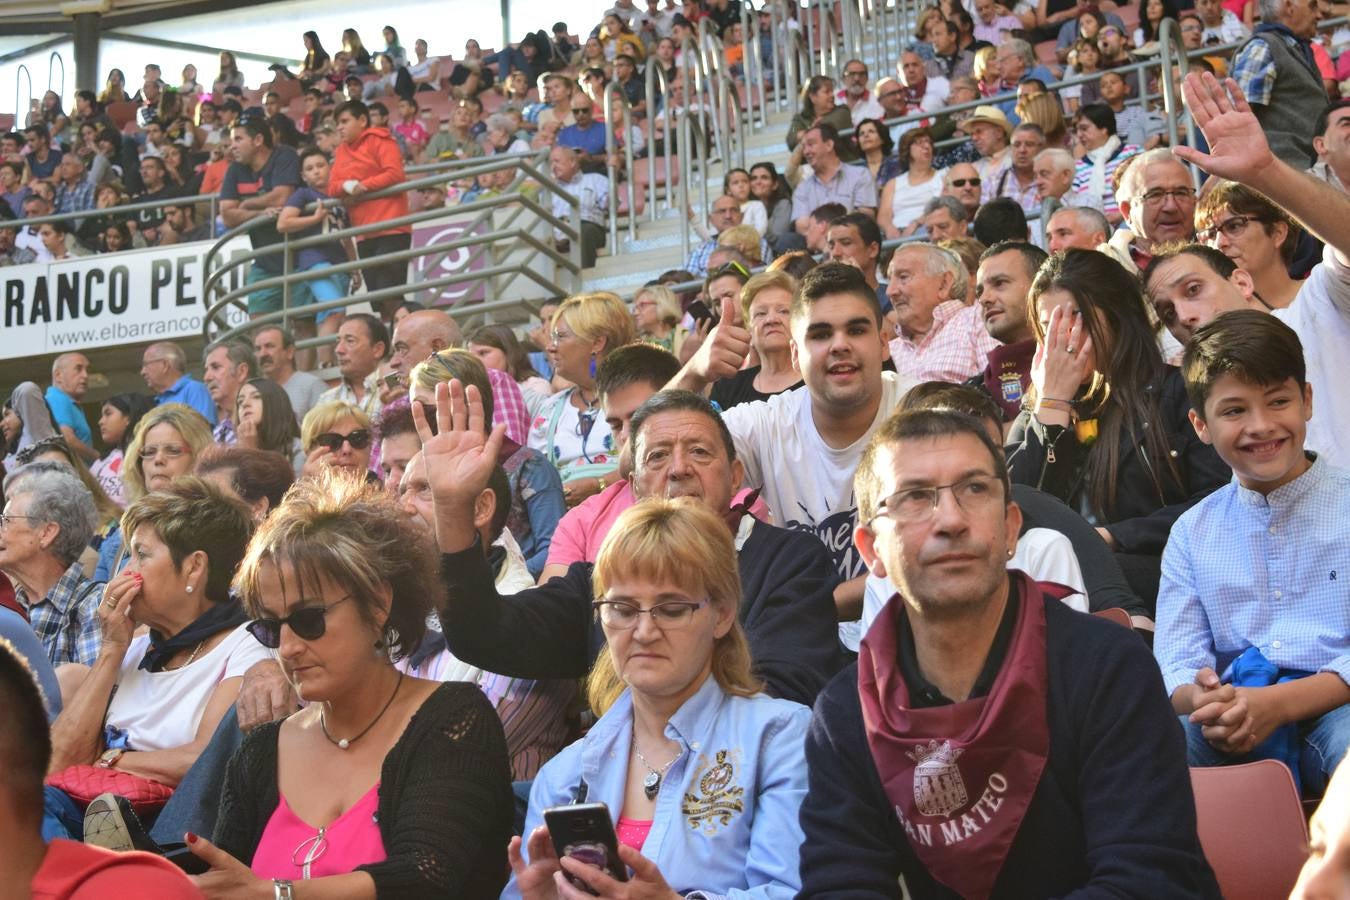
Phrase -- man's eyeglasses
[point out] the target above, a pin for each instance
(668, 616)
(889, 94)
(856, 73)
(581, 110)
(359, 440)
(157, 359)
(1156, 196)
(1231, 228)
(7, 518)
(308, 623)
(915, 505)
(964, 182)
(171, 451)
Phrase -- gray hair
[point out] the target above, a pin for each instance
(1131, 183)
(951, 204)
(1089, 219)
(1022, 49)
(500, 121)
(941, 261)
(238, 352)
(173, 354)
(1059, 157)
(58, 496)
(1269, 10)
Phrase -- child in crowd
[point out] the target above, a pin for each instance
(293, 220)
(1253, 626)
(413, 132)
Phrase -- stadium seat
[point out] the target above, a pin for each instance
(1251, 827)
(1115, 614)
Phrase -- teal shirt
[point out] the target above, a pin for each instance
(65, 411)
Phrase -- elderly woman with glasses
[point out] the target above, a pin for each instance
(336, 435)
(47, 522)
(702, 773)
(569, 428)
(167, 441)
(151, 701)
(384, 784)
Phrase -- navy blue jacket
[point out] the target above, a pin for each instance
(787, 611)
(1112, 816)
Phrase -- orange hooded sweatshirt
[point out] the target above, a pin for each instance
(374, 160)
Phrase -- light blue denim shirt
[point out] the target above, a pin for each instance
(726, 817)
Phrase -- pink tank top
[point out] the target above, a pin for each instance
(633, 832)
(293, 849)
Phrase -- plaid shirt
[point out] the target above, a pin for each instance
(66, 620)
(955, 349)
(224, 433)
(508, 406)
(75, 199)
(1254, 71)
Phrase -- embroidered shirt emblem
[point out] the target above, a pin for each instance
(718, 798)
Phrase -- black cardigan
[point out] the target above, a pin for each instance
(787, 611)
(445, 802)
(1142, 520)
(1112, 815)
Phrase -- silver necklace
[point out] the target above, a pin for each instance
(651, 784)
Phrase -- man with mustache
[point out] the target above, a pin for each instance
(275, 349)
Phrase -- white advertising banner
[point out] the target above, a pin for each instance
(111, 299)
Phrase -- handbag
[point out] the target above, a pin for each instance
(82, 783)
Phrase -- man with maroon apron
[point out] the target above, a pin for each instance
(990, 742)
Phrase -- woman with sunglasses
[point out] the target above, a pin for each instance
(702, 773)
(385, 784)
(151, 701)
(569, 429)
(166, 444)
(265, 420)
(336, 435)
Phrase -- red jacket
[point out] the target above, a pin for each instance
(375, 161)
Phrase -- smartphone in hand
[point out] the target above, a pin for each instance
(585, 832)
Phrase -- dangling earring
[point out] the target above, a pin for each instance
(592, 365)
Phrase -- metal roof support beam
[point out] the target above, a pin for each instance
(86, 51)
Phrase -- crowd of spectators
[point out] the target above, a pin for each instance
(784, 569)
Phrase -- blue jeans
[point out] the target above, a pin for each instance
(196, 800)
(1324, 741)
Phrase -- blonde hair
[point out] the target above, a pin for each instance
(667, 304)
(677, 542)
(447, 364)
(191, 426)
(353, 534)
(744, 239)
(324, 416)
(761, 282)
(983, 58)
(598, 314)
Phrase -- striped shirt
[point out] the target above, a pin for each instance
(1242, 569)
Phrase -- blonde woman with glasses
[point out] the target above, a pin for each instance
(702, 774)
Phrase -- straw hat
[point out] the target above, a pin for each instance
(991, 114)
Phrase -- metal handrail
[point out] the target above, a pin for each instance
(55, 57)
(693, 143)
(653, 75)
(754, 73)
(610, 169)
(703, 82)
(480, 243)
(1169, 36)
(21, 111)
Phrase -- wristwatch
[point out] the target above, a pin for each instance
(283, 889)
(109, 758)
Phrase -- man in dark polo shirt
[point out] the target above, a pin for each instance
(257, 184)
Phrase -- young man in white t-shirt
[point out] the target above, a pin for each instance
(801, 447)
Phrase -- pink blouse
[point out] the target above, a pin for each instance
(633, 832)
(293, 849)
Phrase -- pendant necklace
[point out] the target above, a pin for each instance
(651, 785)
(344, 743)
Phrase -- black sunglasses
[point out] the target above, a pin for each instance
(962, 182)
(308, 623)
(359, 439)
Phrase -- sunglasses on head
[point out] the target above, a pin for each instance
(359, 439)
(308, 623)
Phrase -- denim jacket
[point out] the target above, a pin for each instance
(726, 817)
